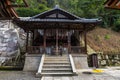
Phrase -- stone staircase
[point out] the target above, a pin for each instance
(57, 65)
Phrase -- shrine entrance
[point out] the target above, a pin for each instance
(55, 41)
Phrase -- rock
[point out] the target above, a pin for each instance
(2, 60)
(10, 41)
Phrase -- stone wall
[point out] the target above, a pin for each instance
(80, 61)
(109, 59)
(32, 62)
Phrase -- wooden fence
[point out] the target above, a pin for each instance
(104, 59)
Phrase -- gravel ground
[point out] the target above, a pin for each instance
(17, 75)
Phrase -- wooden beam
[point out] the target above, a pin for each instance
(14, 5)
(27, 38)
(69, 41)
(112, 4)
(4, 9)
(33, 37)
(25, 3)
(11, 10)
(48, 26)
(57, 41)
(44, 43)
(85, 38)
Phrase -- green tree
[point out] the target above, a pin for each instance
(81, 8)
(33, 9)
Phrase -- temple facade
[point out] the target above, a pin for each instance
(56, 33)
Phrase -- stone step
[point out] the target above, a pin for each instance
(57, 69)
(57, 66)
(64, 55)
(57, 74)
(56, 62)
(56, 59)
(53, 60)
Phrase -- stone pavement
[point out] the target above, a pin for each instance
(82, 77)
(20, 75)
(17, 75)
(115, 74)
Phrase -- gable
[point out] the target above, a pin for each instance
(55, 13)
(56, 16)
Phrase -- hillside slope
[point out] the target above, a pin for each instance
(104, 40)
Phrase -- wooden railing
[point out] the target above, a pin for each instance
(77, 49)
(41, 50)
(35, 49)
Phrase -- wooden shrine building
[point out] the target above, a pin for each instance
(56, 32)
(56, 28)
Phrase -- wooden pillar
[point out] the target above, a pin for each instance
(56, 41)
(69, 42)
(27, 38)
(80, 38)
(85, 39)
(33, 38)
(44, 43)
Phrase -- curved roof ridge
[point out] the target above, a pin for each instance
(70, 13)
(40, 14)
(54, 10)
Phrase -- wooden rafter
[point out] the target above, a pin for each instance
(11, 10)
(14, 5)
(7, 9)
(112, 4)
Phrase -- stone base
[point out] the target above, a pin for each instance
(32, 62)
(80, 61)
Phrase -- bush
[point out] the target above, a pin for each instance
(27, 12)
(107, 36)
(117, 25)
